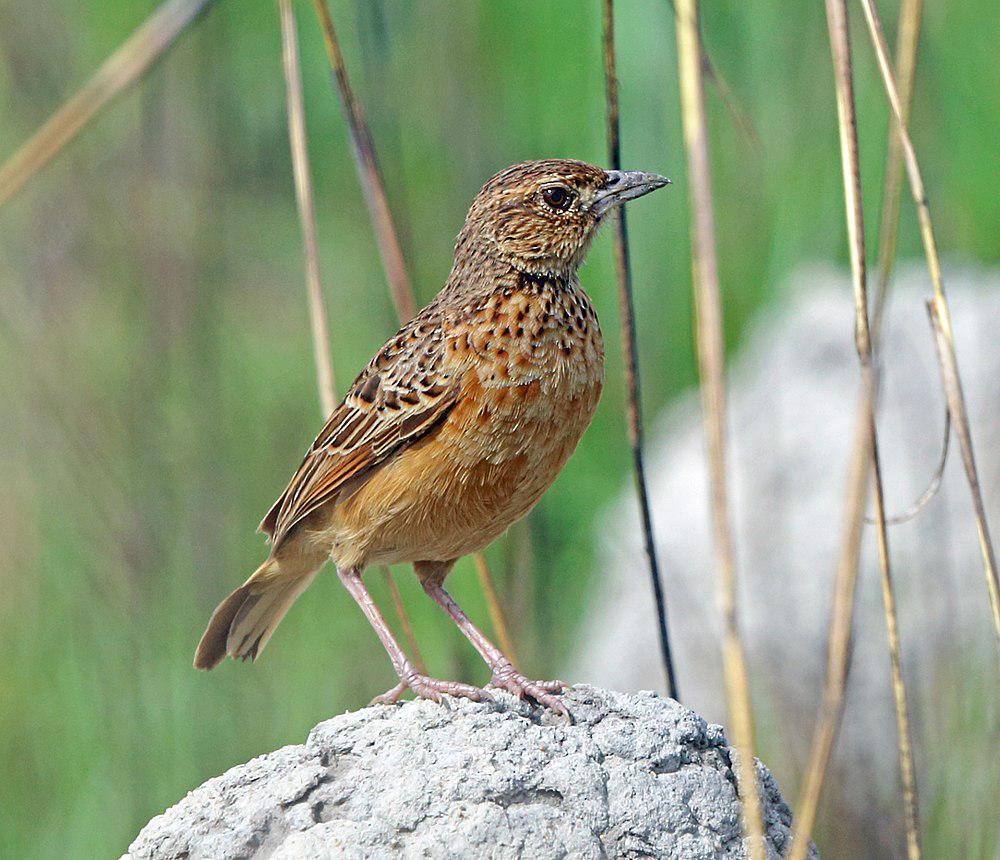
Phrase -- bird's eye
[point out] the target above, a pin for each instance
(557, 197)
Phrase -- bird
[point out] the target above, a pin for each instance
(454, 429)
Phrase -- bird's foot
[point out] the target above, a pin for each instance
(506, 678)
(431, 688)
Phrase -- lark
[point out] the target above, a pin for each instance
(455, 428)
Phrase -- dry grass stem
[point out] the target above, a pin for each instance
(903, 734)
(304, 200)
(867, 456)
(839, 639)
(629, 350)
(385, 231)
(907, 39)
(493, 605)
(493, 609)
(739, 116)
(941, 315)
(317, 311)
(956, 406)
(119, 71)
(932, 487)
(711, 365)
(404, 620)
(368, 172)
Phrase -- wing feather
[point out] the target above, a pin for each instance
(404, 392)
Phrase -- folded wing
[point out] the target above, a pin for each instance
(405, 391)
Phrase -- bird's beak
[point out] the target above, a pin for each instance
(625, 185)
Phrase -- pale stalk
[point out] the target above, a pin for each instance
(118, 72)
(304, 200)
(833, 700)
(949, 364)
(711, 365)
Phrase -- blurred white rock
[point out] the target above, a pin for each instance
(793, 399)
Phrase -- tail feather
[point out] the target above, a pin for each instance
(260, 614)
(245, 620)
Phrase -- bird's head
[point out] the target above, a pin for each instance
(540, 216)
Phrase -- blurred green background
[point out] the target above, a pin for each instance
(156, 375)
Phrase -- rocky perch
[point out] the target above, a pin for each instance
(636, 776)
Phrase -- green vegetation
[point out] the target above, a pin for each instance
(155, 361)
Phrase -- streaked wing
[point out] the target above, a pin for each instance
(403, 393)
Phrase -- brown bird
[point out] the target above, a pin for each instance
(455, 428)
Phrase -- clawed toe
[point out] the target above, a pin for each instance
(390, 697)
(538, 691)
(433, 689)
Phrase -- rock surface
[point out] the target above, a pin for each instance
(636, 776)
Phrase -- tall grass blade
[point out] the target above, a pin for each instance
(493, 604)
(952, 385)
(711, 366)
(368, 172)
(941, 314)
(907, 38)
(630, 351)
(903, 734)
(404, 620)
(840, 633)
(118, 72)
(741, 119)
(867, 455)
(307, 218)
(304, 200)
(932, 487)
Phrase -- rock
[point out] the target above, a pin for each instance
(635, 776)
(793, 393)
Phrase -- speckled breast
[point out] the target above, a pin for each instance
(532, 364)
(535, 368)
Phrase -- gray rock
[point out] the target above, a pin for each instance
(635, 776)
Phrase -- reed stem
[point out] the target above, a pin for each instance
(711, 366)
(630, 353)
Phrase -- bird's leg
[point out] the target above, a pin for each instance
(409, 677)
(505, 676)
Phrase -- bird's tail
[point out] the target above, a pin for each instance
(244, 621)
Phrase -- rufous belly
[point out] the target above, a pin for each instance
(463, 485)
